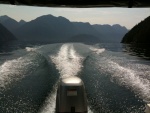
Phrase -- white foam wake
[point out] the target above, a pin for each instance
(68, 63)
(128, 77)
(96, 50)
(14, 70)
(32, 48)
(49, 105)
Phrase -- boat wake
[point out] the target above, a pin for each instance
(14, 70)
(114, 81)
(130, 75)
(68, 63)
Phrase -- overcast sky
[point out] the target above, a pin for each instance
(123, 16)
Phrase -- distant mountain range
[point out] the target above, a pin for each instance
(112, 33)
(139, 33)
(52, 29)
(10, 23)
(5, 35)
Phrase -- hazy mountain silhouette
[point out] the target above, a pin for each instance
(87, 28)
(112, 33)
(86, 38)
(5, 35)
(3, 18)
(52, 29)
(22, 22)
(9, 23)
(47, 28)
(140, 33)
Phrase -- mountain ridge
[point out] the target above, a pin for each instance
(48, 28)
(5, 35)
(9, 23)
(139, 33)
(115, 31)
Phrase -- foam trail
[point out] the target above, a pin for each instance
(49, 105)
(129, 78)
(13, 70)
(96, 50)
(69, 63)
(89, 110)
(32, 48)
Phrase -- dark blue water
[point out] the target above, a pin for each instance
(116, 80)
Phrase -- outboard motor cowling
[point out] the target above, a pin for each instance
(71, 96)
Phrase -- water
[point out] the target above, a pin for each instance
(116, 80)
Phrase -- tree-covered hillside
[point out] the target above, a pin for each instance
(139, 33)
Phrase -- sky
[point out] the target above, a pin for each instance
(124, 16)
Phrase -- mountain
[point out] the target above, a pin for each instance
(22, 22)
(9, 23)
(139, 33)
(3, 18)
(5, 35)
(47, 28)
(59, 29)
(88, 29)
(112, 33)
(85, 38)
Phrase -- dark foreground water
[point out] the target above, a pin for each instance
(116, 80)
